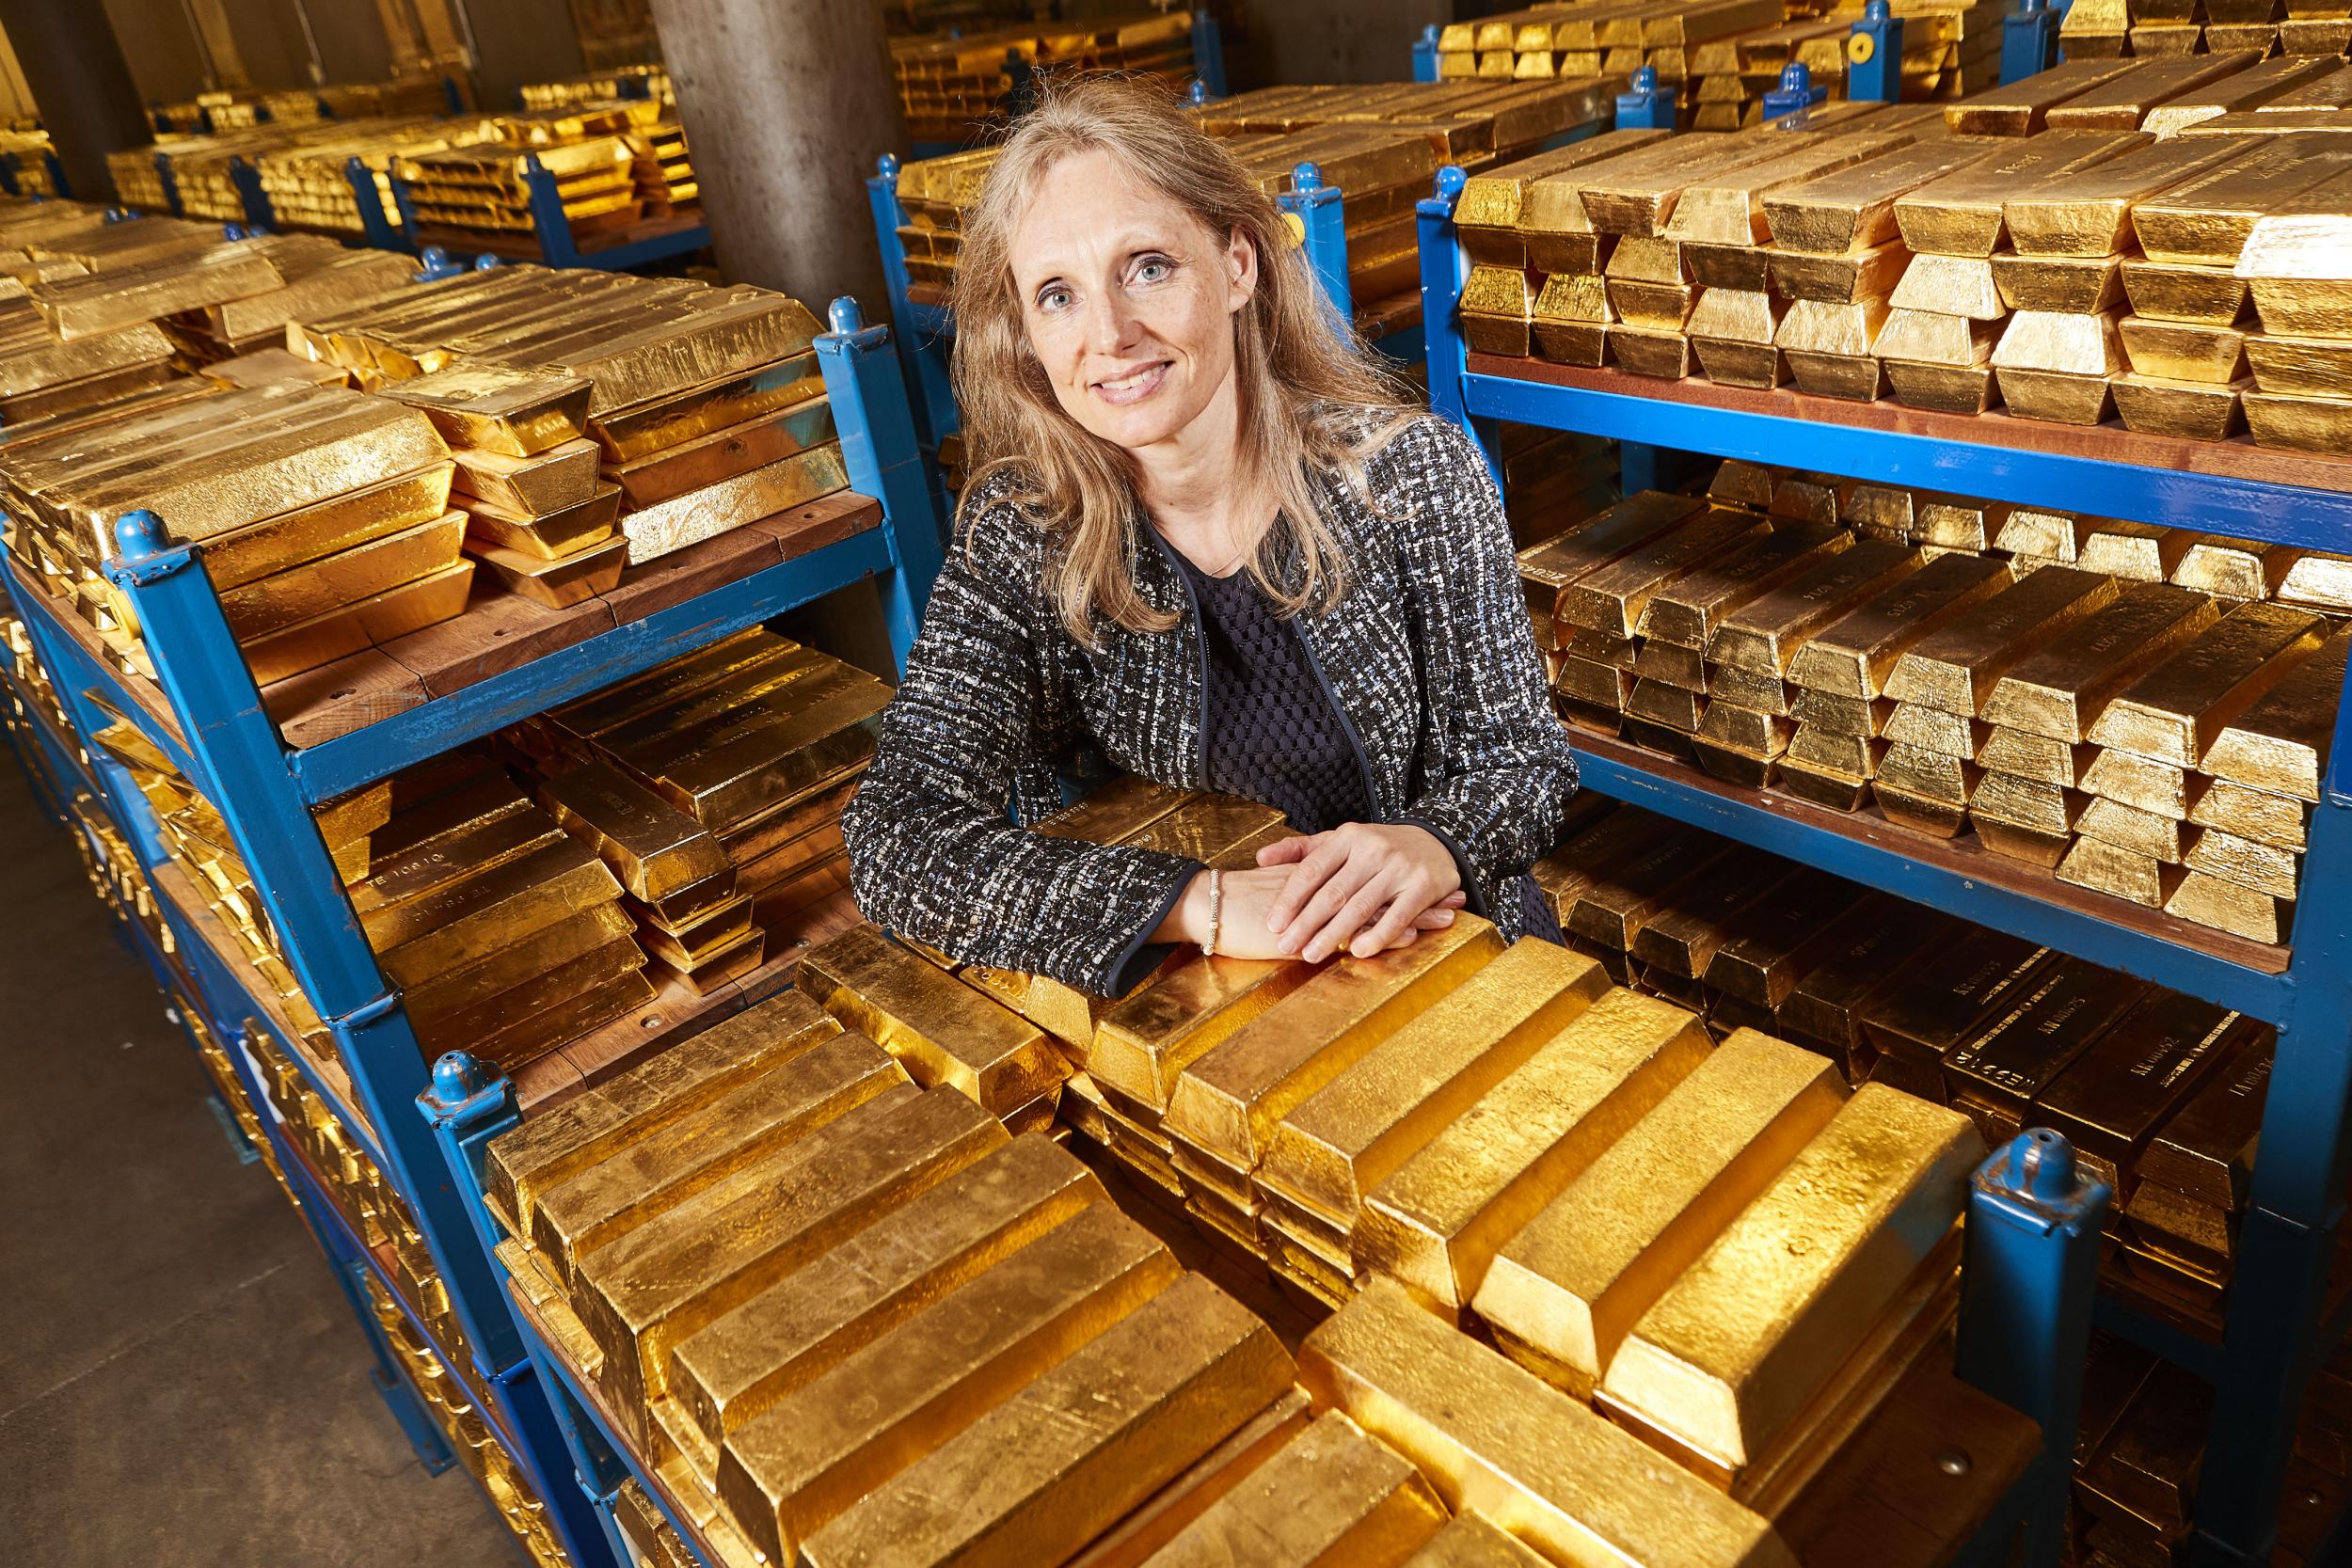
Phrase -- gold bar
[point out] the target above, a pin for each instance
(403, 875)
(1035, 1479)
(2021, 108)
(558, 536)
(757, 766)
(1735, 1348)
(1613, 906)
(652, 846)
(2206, 221)
(517, 412)
(279, 544)
(557, 477)
(944, 1032)
(796, 1094)
(1845, 279)
(1853, 655)
(2150, 1470)
(1625, 526)
(2179, 708)
(1620, 200)
(810, 1323)
(1353, 1133)
(1925, 1013)
(2228, 906)
(2078, 284)
(2173, 292)
(2061, 691)
(557, 584)
(1490, 211)
(645, 1291)
(2089, 212)
(2122, 103)
(1854, 208)
(432, 1003)
(2234, 569)
(1565, 1292)
(1228, 1100)
(2126, 874)
(2279, 820)
(1762, 637)
(528, 1037)
(1438, 1222)
(2312, 366)
(2183, 351)
(1333, 1494)
(2206, 1151)
(1730, 209)
(1469, 1541)
(1954, 668)
(566, 1141)
(2279, 743)
(1687, 612)
(2059, 1014)
(1143, 1043)
(1130, 1543)
(792, 1469)
(2132, 1079)
(1961, 214)
(2156, 788)
(464, 921)
(1614, 599)
(1496, 1441)
(698, 515)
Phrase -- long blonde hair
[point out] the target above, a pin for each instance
(1311, 400)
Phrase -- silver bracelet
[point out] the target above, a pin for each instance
(1216, 913)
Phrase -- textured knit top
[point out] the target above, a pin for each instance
(1429, 654)
(1274, 735)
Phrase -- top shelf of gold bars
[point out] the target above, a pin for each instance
(420, 486)
(2157, 244)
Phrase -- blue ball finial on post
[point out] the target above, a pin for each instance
(1306, 176)
(1451, 180)
(458, 1076)
(844, 316)
(1646, 107)
(887, 166)
(486, 263)
(139, 534)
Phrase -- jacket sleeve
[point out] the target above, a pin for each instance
(933, 853)
(1497, 767)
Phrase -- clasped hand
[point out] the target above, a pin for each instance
(1363, 888)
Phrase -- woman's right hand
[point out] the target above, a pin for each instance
(1249, 898)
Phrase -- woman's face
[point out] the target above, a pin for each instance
(1129, 300)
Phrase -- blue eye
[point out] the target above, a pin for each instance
(1054, 299)
(1155, 269)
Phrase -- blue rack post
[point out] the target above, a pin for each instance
(1790, 103)
(2273, 1334)
(1317, 213)
(375, 229)
(2029, 39)
(260, 215)
(211, 723)
(1874, 57)
(171, 184)
(1208, 51)
(1425, 53)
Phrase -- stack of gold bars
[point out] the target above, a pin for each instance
(595, 153)
(2106, 239)
(1721, 56)
(2190, 29)
(745, 751)
(952, 86)
(599, 87)
(506, 934)
(833, 1302)
(2144, 710)
(1377, 145)
(537, 513)
(705, 407)
(307, 184)
(321, 515)
(32, 150)
(665, 171)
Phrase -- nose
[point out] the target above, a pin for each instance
(1111, 322)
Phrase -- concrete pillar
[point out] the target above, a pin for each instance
(785, 109)
(81, 84)
(353, 45)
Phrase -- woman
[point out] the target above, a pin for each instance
(1202, 535)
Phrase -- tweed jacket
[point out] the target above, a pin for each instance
(1428, 658)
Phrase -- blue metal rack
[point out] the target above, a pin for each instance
(206, 715)
(2029, 1269)
(2275, 1333)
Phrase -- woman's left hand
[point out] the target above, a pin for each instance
(1356, 887)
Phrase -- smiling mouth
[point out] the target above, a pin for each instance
(1132, 388)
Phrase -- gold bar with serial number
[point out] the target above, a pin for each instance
(462, 922)
(1686, 613)
(2089, 212)
(1498, 1441)
(1954, 668)
(2206, 1151)
(1438, 1222)
(1564, 1292)
(2118, 1093)
(1731, 1353)
(2060, 690)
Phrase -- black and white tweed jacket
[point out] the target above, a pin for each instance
(1428, 658)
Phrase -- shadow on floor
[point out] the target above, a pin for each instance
(182, 1384)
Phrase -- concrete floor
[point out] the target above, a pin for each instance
(182, 1384)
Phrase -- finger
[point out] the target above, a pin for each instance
(1454, 900)
(1285, 852)
(1349, 919)
(1299, 935)
(1306, 879)
(1391, 922)
(1432, 919)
